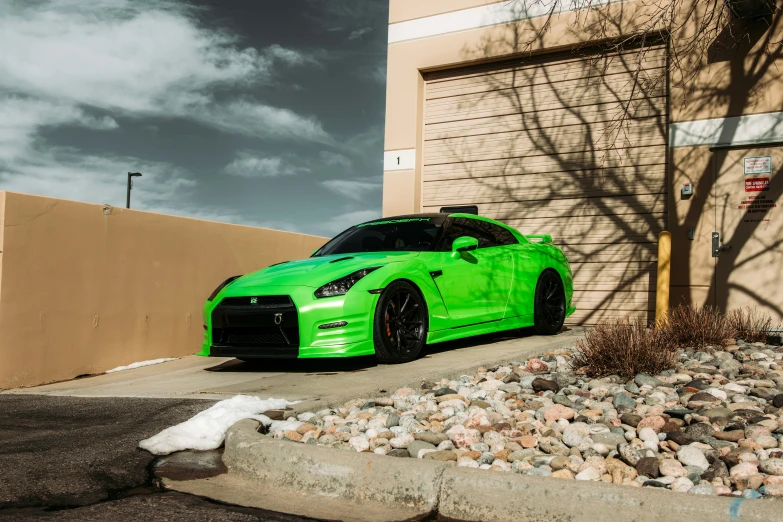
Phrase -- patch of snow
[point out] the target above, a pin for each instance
(286, 425)
(140, 364)
(207, 430)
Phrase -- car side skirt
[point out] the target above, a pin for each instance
(508, 323)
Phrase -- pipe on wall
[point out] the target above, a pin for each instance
(664, 276)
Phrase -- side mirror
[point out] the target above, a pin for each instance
(463, 244)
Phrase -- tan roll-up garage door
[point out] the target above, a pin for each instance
(572, 145)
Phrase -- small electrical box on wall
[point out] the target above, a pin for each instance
(687, 189)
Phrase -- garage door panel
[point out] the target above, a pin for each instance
(487, 198)
(549, 72)
(569, 59)
(529, 83)
(563, 208)
(565, 236)
(622, 275)
(539, 88)
(558, 70)
(642, 180)
(641, 285)
(490, 197)
(499, 103)
(626, 180)
(578, 252)
(591, 115)
(534, 188)
(591, 300)
(581, 161)
(529, 144)
(521, 151)
(646, 227)
(582, 316)
(555, 141)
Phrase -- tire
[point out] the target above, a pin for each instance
(549, 305)
(400, 340)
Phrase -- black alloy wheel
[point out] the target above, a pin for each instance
(400, 326)
(549, 312)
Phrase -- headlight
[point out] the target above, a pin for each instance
(222, 286)
(342, 285)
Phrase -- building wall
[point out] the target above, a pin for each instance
(732, 99)
(86, 288)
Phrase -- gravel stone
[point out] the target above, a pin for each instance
(691, 456)
(709, 426)
(772, 466)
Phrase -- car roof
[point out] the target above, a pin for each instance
(443, 216)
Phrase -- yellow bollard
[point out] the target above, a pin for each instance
(664, 276)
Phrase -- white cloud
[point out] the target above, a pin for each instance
(75, 63)
(379, 73)
(250, 166)
(337, 224)
(359, 33)
(358, 189)
(69, 174)
(139, 58)
(163, 188)
(334, 159)
(290, 57)
(251, 119)
(21, 118)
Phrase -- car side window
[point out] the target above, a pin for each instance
(468, 227)
(503, 236)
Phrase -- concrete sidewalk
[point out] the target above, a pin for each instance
(318, 383)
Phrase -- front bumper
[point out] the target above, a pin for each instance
(356, 308)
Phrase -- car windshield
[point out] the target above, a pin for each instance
(387, 235)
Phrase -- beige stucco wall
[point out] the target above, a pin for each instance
(401, 10)
(84, 289)
(749, 83)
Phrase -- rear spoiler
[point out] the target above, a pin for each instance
(542, 238)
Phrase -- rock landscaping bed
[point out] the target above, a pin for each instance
(711, 426)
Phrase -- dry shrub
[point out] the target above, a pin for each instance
(699, 327)
(624, 347)
(750, 324)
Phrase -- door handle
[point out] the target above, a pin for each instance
(717, 247)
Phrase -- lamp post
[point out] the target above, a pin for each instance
(130, 185)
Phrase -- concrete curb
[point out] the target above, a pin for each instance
(355, 477)
(429, 487)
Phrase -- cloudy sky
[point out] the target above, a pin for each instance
(257, 112)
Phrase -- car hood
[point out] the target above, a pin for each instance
(315, 271)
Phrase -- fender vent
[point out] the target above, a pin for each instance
(341, 259)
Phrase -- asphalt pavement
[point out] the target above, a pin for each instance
(68, 458)
(69, 450)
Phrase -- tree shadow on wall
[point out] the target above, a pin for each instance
(574, 143)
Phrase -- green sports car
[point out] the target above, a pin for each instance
(388, 287)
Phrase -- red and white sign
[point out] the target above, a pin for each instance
(758, 165)
(756, 184)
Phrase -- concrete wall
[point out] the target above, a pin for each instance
(732, 99)
(86, 288)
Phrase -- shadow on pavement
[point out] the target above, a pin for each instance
(358, 364)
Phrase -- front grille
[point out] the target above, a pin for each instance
(267, 328)
(255, 339)
(261, 301)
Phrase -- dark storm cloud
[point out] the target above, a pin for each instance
(265, 112)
